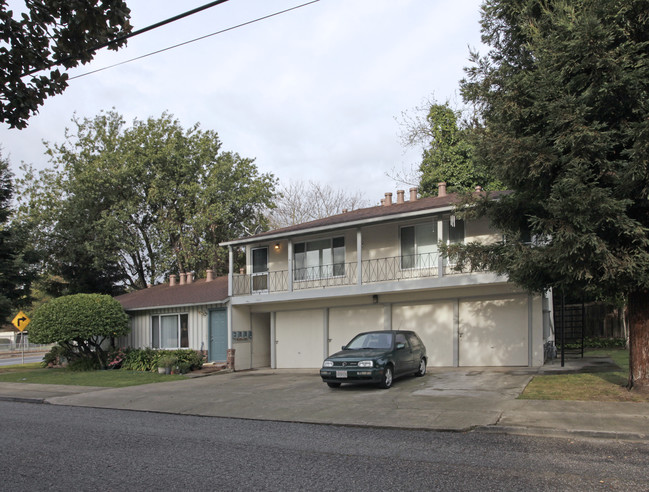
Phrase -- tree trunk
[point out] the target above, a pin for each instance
(639, 341)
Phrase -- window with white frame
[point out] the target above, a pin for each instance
(321, 258)
(419, 243)
(170, 331)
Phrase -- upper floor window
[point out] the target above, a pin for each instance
(419, 243)
(170, 331)
(419, 246)
(321, 258)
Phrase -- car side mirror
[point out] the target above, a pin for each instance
(343, 347)
(401, 346)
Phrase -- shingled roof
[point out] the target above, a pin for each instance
(380, 213)
(164, 295)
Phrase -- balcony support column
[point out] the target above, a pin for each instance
(359, 257)
(230, 270)
(290, 265)
(440, 258)
(273, 340)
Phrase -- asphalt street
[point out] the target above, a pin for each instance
(74, 448)
(29, 358)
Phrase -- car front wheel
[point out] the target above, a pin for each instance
(386, 379)
(422, 368)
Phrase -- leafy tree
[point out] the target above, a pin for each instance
(49, 34)
(17, 259)
(447, 151)
(300, 202)
(133, 204)
(80, 323)
(563, 97)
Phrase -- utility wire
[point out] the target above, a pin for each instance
(194, 40)
(132, 34)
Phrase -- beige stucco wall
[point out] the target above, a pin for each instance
(260, 340)
(480, 231)
(380, 241)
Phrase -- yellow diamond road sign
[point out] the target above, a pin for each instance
(21, 321)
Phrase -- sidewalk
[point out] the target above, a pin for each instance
(446, 399)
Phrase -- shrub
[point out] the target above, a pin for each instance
(166, 361)
(147, 359)
(80, 323)
(55, 356)
(84, 364)
(140, 359)
(115, 358)
(191, 357)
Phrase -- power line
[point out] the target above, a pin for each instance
(194, 40)
(131, 35)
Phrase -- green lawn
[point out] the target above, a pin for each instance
(587, 386)
(34, 373)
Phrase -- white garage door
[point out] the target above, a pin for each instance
(433, 323)
(300, 339)
(494, 332)
(345, 323)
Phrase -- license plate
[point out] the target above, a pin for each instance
(341, 374)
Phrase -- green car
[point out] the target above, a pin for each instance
(376, 357)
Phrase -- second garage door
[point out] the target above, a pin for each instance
(344, 323)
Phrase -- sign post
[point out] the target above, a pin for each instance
(21, 321)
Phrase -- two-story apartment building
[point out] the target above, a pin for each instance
(309, 288)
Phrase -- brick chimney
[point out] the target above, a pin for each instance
(413, 194)
(190, 277)
(172, 280)
(478, 188)
(182, 278)
(388, 199)
(441, 188)
(400, 195)
(209, 275)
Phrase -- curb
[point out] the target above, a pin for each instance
(20, 399)
(562, 433)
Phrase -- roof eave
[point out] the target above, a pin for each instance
(176, 306)
(342, 225)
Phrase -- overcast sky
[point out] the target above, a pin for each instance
(312, 94)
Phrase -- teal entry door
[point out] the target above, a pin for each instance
(218, 331)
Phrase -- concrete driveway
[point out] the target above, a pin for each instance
(444, 399)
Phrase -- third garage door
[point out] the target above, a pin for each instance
(494, 332)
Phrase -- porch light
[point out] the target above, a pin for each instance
(276, 246)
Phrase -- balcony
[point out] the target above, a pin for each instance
(396, 268)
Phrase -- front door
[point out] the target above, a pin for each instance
(260, 270)
(218, 331)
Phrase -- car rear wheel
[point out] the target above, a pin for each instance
(333, 385)
(422, 368)
(386, 379)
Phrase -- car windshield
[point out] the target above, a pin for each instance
(371, 341)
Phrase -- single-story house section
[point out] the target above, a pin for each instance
(194, 314)
(185, 314)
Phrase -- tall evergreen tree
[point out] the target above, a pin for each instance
(16, 257)
(564, 99)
